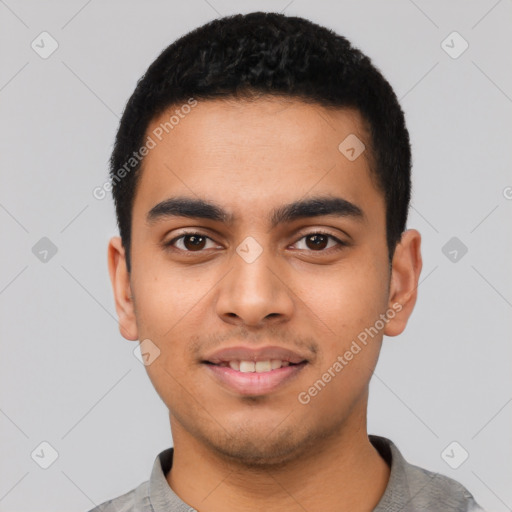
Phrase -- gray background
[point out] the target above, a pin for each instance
(70, 379)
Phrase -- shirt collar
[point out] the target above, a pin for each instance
(397, 489)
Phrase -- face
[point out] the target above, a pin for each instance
(254, 272)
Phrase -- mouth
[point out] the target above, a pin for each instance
(267, 365)
(254, 378)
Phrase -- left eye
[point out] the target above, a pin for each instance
(320, 241)
(195, 242)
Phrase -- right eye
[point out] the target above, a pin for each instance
(190, 242)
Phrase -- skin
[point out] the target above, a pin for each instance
(265, 452)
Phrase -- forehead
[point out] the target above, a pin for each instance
(248, 154)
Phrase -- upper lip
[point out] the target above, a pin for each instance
(241, 353)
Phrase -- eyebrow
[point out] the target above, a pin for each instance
(305, 208)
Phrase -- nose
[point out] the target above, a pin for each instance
(254, 293)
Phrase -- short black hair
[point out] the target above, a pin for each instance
(265, 53)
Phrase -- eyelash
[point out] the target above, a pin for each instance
(341, 244)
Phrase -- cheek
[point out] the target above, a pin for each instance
(348, 304)
(348, 309)
(169, 312)
(349, 298)
(167, 300)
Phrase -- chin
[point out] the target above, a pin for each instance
(259, 447)
(252, 455)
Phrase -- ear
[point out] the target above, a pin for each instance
(405, 273)
(120, 279)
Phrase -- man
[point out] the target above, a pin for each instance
(261, 175)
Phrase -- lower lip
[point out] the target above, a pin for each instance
(253, 383)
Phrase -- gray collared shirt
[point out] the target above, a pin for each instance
(410, 489)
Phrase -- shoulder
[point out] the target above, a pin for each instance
(132, 501)
(434, 491)
(412, 488)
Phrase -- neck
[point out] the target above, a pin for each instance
(346, 470)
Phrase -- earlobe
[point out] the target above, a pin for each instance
(120, 280)
(405, 273)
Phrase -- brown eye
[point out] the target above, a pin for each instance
(195, 242)
(189, 242)
(320, 242)
(317, 241)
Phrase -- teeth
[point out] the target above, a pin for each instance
(247, 366)
(258, 366)
(262, 366)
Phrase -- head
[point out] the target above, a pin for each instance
(263, 202)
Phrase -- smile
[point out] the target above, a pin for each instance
(254, 378)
